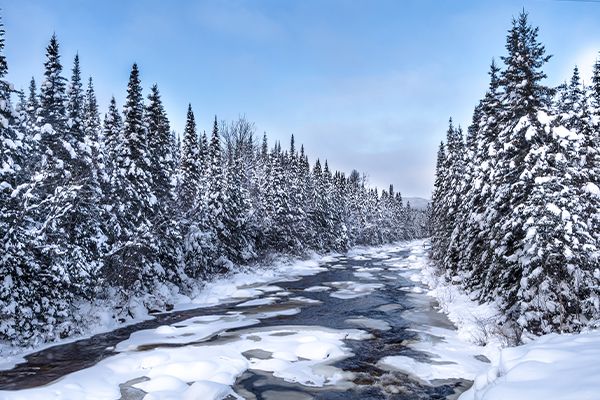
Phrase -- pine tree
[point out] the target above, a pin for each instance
(261, 179)
(32, 102)
(52, 116)
(476, 257)
(113, 131)
(132, 263)
(216, 193)
(595, 88)
(92, 129)
(16, 267)
(199, 244)
(524, 97)
(175, 143)
(48, 280)
(162, 170)
(238, 242)
(83, 234)
(159, 147)
(190, 168)
(281, 231)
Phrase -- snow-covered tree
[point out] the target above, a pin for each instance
(132, 263)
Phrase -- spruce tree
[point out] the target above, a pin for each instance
(595, 88)
(133, 262)
(112, 135)
(17, 269)
(238, 242)
(159, 147)
(190, 168)
(215, 193)
(476, 257)
(52, 116)
(49, 264)
(523, 99)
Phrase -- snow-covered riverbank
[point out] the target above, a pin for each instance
(558, 367)
(226, 288)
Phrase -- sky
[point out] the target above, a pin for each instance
(368, 85)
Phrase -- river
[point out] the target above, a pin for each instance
(320, 335)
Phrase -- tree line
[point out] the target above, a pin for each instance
(515, 209)
(121, 208)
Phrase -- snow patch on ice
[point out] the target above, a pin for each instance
(317, 289)
(297, 354)
(351, 290)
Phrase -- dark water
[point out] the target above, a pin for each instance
(392, 303)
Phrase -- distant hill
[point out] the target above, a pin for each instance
(417, 202)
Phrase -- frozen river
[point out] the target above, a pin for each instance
(353, 326)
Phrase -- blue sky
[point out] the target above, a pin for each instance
(367, 84)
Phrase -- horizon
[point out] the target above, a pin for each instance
(359, 96)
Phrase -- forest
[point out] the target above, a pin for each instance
(120, 210)
(515, 209)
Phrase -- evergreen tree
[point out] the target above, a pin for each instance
(159, 147)
(476, 257)
(32, 102)
(47, 279)
(17, 269)
(238, 242)
(523, 98)
(132, 263)
(56, 150)
(216, 192)
(190, 168)
(595, 88)
(113, 131)
(523, 92)
(162, 170)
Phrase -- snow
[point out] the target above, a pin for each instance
(305, 300)
(592, 189)
(47, 128)
(297, 354)
(218, 291)
(317, 289)
(550, 367)
(457, 338)
(351, 290)
(246, 282)
(191, 330)
(258, 302)
(553, 209)
(555, 366)
(69, 149)
(369, 323)
(364, 275)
